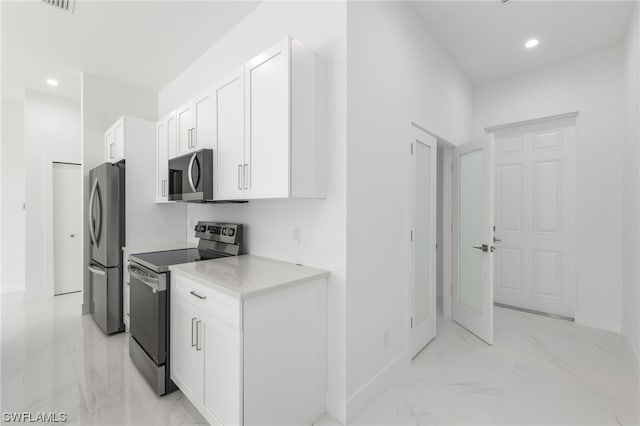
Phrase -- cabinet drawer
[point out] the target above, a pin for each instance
(219, 305)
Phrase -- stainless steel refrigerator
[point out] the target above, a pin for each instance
(107, 237)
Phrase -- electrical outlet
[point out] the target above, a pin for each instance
(295, 234)
(385, 337)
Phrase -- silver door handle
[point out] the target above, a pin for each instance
(192, 342)
(239, 176)
(246, 177)
(496, 240)
(92, 232)
(198, 347)
(484, 248)
(96, 271)
(190, 171)
(193, 293)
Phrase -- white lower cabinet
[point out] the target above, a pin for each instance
(257, 361)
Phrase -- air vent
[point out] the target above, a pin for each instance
(67, 5)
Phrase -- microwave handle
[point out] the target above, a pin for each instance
(190, 171)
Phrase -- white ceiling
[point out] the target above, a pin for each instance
(485, 38)
(144, 44)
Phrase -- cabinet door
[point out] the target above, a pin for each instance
(203, 121)
(186, 371)
(222, 371)
(185, 124)
(172, 135)
(268, 123)
(109, 146)
(118, 140)
(162, 160)
(229, 135)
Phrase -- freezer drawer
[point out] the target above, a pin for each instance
(106, 297)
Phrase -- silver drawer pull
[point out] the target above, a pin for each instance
(193, 293)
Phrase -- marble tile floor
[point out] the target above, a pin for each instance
(55, 360)
(540, 371)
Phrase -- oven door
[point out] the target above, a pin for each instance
(148, 311)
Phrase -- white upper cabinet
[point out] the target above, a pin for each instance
(195, 124)
(268, 120)
(114, 142)
(166, 147)
(229, 153)
(284, 108)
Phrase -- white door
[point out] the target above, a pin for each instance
(185, 130)
(229, 152)
(162, 161)
(67, 224)
(222, 371)
(267, 120)
(185, 366)
(423, 239)
(472, 300)
(203, 122)
(534, 216)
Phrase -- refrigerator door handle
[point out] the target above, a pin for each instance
(92, 232)
(96, 271)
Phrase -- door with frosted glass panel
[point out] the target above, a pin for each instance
(423, 239)
(473, 249)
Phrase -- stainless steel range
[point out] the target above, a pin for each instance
(150, 299)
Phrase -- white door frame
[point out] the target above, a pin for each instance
(422, 334)
(447, 236)
(48, 215)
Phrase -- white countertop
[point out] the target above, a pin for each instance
(247, 275)
(148, 247)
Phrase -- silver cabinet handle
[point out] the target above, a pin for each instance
(190, 171)
(189, 136)
(194, 138)
(111, 154)
(246, 176)
(239, 176)
(198, 347)
(193, 293)
(164, 187)
(192, 342)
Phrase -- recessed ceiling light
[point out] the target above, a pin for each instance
(531, 43)
(53, 82)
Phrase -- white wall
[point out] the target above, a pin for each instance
(103, 102)
(13, 196)
(51, 133)
(593, 86)
(397, 73)
(320, 26)
(631, 186)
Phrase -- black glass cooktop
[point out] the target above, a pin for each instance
(159, 261)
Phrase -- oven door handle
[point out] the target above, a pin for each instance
(154, 282)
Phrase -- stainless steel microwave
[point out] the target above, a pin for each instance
(191, 177)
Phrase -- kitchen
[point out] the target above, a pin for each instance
(348, 224)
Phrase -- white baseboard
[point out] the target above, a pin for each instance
(364, 396)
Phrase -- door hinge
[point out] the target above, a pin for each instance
(411, 322)
(411, 235)
(411, 149)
